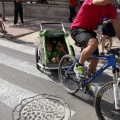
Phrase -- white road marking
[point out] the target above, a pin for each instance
(23, 66)
(11, 95)
(18, 47)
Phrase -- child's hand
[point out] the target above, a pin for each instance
(105, 22)
(53, 60)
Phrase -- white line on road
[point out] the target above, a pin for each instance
(23, 66)
(12, 95)
(18, 47)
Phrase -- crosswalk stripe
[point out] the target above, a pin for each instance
(18, 47)
(23, 66)
(11, 94)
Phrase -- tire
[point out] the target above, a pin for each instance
(37, 57)
(70, 85)
(104, 103)
(2, 33)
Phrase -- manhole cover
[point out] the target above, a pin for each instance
(42, 107)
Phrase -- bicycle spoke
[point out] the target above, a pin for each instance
(69, 82)
(104, 104)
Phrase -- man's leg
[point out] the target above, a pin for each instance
(104, 37)
(109, 45)
(70, 18)
(21, 15)
(110, 42)
(73, 12)
(91, 47)
(15, 17)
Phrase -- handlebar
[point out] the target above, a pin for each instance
(45, 23)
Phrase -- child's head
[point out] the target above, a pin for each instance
(49, 46)
(60, 46)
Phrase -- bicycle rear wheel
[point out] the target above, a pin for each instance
(69, 81)
(2, 29)
(104, 103)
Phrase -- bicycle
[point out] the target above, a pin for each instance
(2, 28)
(72, 84)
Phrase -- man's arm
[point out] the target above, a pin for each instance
(102, 2)
(116, 26)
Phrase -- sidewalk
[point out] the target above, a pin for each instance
(29, 32)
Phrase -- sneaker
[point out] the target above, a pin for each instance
(15, 24)
(79, 71)
(89, 90)
(102, 53)
(22, 22)
(108, 51)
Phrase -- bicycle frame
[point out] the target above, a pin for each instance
(116, 75)
(110, 62)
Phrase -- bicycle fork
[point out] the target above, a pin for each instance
(116, 87)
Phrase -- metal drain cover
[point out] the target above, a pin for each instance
(42, 107)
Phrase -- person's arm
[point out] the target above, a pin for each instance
(116, 26)
(102, 2)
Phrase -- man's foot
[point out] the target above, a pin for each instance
(3, 31)
(15, 24)
(102, 53)
(22, 22)
(89, 90)
(79, 71)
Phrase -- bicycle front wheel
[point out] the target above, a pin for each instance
(69, 81)
(2, 29)
(104, 103)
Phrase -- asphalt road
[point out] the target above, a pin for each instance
(20, 79)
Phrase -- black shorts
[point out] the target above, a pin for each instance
(108, 30)
(81, 37)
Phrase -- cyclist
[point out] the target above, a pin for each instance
(89, 16)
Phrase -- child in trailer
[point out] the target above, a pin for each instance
(60, 47)
(51, 54)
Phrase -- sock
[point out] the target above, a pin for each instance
(78, 64)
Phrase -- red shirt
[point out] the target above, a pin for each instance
(73, 2)
(89, 15)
